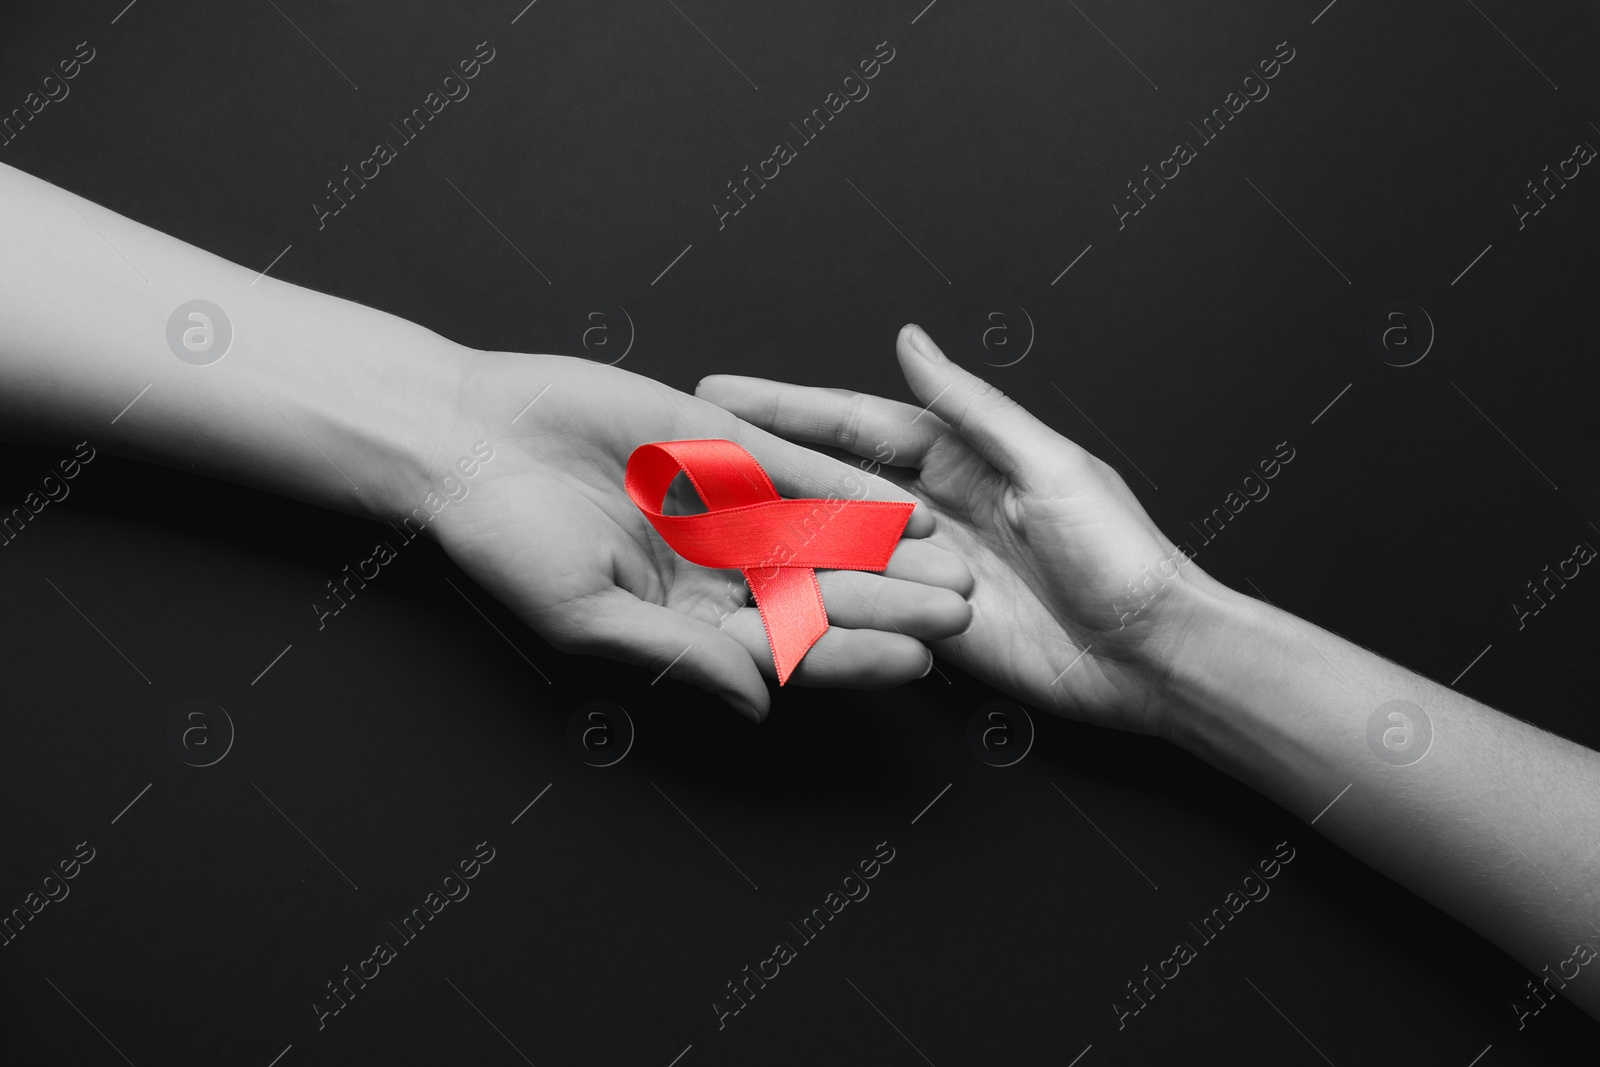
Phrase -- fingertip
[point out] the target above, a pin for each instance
(922, 365)
(916, 340)
(921, 522)
(711, 386)
(966, 582)
(901, 659)
(927, 564)
(918, 661)
(905, 347)
(746, 703)
(951, 614)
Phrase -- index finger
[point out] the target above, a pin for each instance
(797, 471)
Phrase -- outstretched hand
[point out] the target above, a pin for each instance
(1054, 537)
(549, 530)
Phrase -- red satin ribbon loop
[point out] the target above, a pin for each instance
(776, 543)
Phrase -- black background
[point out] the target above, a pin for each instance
(1196, 338)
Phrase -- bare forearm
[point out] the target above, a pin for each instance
(1494, 820)
(315, 398)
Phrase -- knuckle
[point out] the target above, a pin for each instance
(989, 396)
(848, 431)
(775, 407)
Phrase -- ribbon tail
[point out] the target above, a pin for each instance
(792, 612)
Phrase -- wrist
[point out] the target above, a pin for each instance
(375, 395)
(1252, 691)
(1218, 643)
(406, 432)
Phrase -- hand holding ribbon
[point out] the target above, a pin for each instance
(775, 543)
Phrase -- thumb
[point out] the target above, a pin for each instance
(997, 427)
(623, 627)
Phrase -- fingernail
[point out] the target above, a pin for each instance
(742, 706)
(928, 669)
(922, 343)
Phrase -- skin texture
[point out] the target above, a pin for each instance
(1498, 823)
(337, 404)
(549, 530)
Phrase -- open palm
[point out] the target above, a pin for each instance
(548, 529)
(1053, 535)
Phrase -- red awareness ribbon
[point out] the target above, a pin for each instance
(776, 543)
